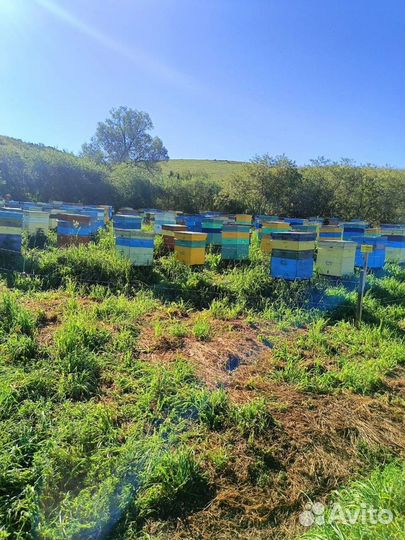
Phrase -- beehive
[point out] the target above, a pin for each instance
(189, 247)
(71, 208)
(29, 205)
(11, 222)
(168, 231)
(295, 241)
(330, 232)
(243, 218)
(97, 215)
(12, 204)
(127, 211)
(127, 221)
(36, 221)
(395, 247)
(108, 212)
(315, 220)
(373, 231)
(353, 228)
(73, 229)
(292, 256)
(295, 221)
(135, 245)
(376, 259)
(260, 219)
(360, 222)
(335, 257)
(269, 227)
(212, 227)
(235, 241)
(313, 227)
(193, 222)
(162, 218)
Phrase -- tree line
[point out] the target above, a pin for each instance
(120, 166)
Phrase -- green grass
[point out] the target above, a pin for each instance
(339, 357)
(383, 489)
(202, 328)
(213, 168)
(102, 437)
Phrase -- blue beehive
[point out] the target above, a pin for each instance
(11, 222)
(74, 229)
(330, 232)
(94, 223)
(135, 245)
(292, 265)
(292, 255)
(376, 259)
(97, 215)
(352, 229)
(295, 221)
(213, 229)
(127, 222)
(197, 223)
(193, 222)
(398, 226)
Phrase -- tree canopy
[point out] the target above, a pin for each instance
(124, 138)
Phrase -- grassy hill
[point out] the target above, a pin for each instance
(19, 145)
(214, 168)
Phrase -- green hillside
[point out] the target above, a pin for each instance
(42, 173)
(214, 168)
(19, 145)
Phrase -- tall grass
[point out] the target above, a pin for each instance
(383, 489)
(337, 357)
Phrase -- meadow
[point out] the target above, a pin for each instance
(211, 168)
(213, 402)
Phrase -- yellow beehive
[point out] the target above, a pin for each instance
(336, 257)
(265, 244)
(191, 256)
(330, 232)
(265, 233)
(372, 231)
(292, 245)
(191, 237)
(190, 247)
(243, 218)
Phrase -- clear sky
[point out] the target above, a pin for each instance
(224, 79)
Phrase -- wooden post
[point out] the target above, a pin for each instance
(360, 292)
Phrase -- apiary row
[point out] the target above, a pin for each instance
(293, 243)
(74, 223)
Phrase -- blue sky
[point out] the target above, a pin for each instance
(224, 79)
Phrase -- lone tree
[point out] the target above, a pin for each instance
(124, 138)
